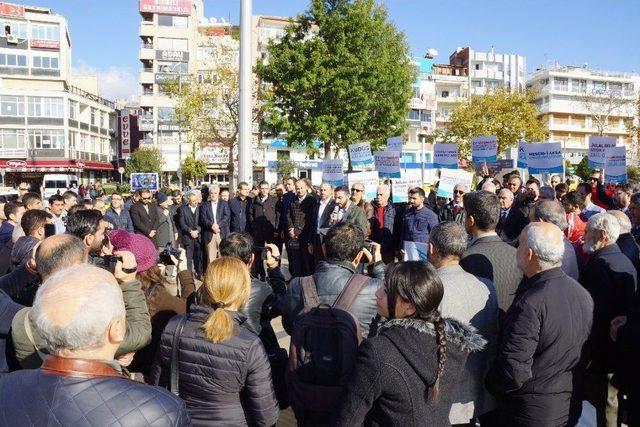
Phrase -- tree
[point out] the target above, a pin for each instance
(193, 168)
(603, 104)
(511, 116)
(207, 105)
(340, 74)
(583, 170)
(144, 160)
(285, 167)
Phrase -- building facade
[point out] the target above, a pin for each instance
(576, 102)
(50, 120)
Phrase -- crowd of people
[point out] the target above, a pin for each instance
(157, 309)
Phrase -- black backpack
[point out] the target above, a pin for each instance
(322, 354)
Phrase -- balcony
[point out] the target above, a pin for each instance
(147, 52)
(13, 153)
(147, 29)
(146, 76)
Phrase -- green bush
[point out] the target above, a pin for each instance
(167, 190)
(109, 188)
(124, 188)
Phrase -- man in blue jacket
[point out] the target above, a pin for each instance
(418, 219)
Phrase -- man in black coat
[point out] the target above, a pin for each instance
(611, 280)
(190, 230)
(626, 242)
(487, 255)
(537, 368)
(239, 208)
(263, 221)
(552, 211)
(214, 223)
(80, 383)
(324, 209)
(301, 226)
(144, 216)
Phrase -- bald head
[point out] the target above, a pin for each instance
(58, 252)
(382, 194)
(489, 186)
(623, 220)
(541, 248)
(80, 311)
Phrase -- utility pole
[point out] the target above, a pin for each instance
(245, 162)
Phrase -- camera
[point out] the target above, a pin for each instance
(167, 253)
(367, 245)
(107, 262)
(264, 252)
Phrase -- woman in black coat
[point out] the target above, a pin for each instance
(407, 374)
(224, 374)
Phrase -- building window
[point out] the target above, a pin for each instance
(173, 21)
(615, 88)
(73, 110)
(104, 119)
(476, 83)
(628, 88)
(11, 106)
(172, 44)
(46, 138)
(599, 86)
(172, 67)
(477, 66)
(84, 142)
(94, 117)
(45, 107)
(445, 94)
(414, 115)
(166, 114)
(560, 83)
(13, 60)
(46, 62)
(425, 116)
(45, 32)
(15, 28)
(12, 138)
(578, 85)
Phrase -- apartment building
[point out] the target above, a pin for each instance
(50, 120)
(577, 102)
(490, 70)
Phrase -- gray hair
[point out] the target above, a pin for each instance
(94, 305)
(506, 191)
(551, 211)
(607, 223)
(547, 192)
(548, 252)
(623, 221)
(449, 238)
(489, 186)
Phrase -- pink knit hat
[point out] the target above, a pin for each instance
(140, 246)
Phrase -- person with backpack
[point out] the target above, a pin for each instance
(327, 315)
(408, 374)
(212, 360)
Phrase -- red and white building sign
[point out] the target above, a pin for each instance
(125, 136)
(45, 44)
(8, 9)
(167, 7)
(50, 165)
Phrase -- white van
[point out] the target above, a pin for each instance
(55, 183)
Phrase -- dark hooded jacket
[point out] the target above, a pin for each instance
(395, 375)
(22, 249)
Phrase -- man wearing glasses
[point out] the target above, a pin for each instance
(23, 188)
(118, 215)
(144, 216)
(357, 197)
(454, 210)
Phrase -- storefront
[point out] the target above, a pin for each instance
(33, 171)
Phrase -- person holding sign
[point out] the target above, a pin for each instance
(418, 219)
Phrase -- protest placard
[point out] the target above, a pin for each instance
(141, 180)
(522, 154)
(400, 188)
(360, 154)
(332, 172)
(415, 251)
(484, 148)
(545, 158)
(388, 164)
(449, 178)
(394, 144)
(597, 150)
(445, 156)
(369, 179)
(615, 168)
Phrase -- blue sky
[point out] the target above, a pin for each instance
(603, 33)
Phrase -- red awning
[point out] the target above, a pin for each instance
(64, 165)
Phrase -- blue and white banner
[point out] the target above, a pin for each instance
(388, 164)
(449, 178)
(415, 251)
(545, 157)
(332, 172)
(615, 168)
(522, 155)
(400, 188)
(369, 179)
(484, 148)
(597, 150)
(360, 154)
(445, 156)
(394, 144)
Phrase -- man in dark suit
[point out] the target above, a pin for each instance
(611, 279)
(626, 242)
(323, 211)
(487, 255)
(190, 230)
(239, 208)
(144, 216)
(262, 222)
(301, 227)
(512, 219)
(348, 212)
(214, 223)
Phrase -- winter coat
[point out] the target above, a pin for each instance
(540, 351)
(330, 278)
(417, 224)
(22, 250)
(239, 210)
(629, 247)
(6, 230)
(8, 310)
(395, 375)
(227, 383)
(301, 217)
(262, 220)
(120, 221)
(384, 235)
(470, 299)
(449, 212)
(166, 228)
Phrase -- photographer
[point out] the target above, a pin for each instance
(162, 305)
(56, 253)
(344, 248)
